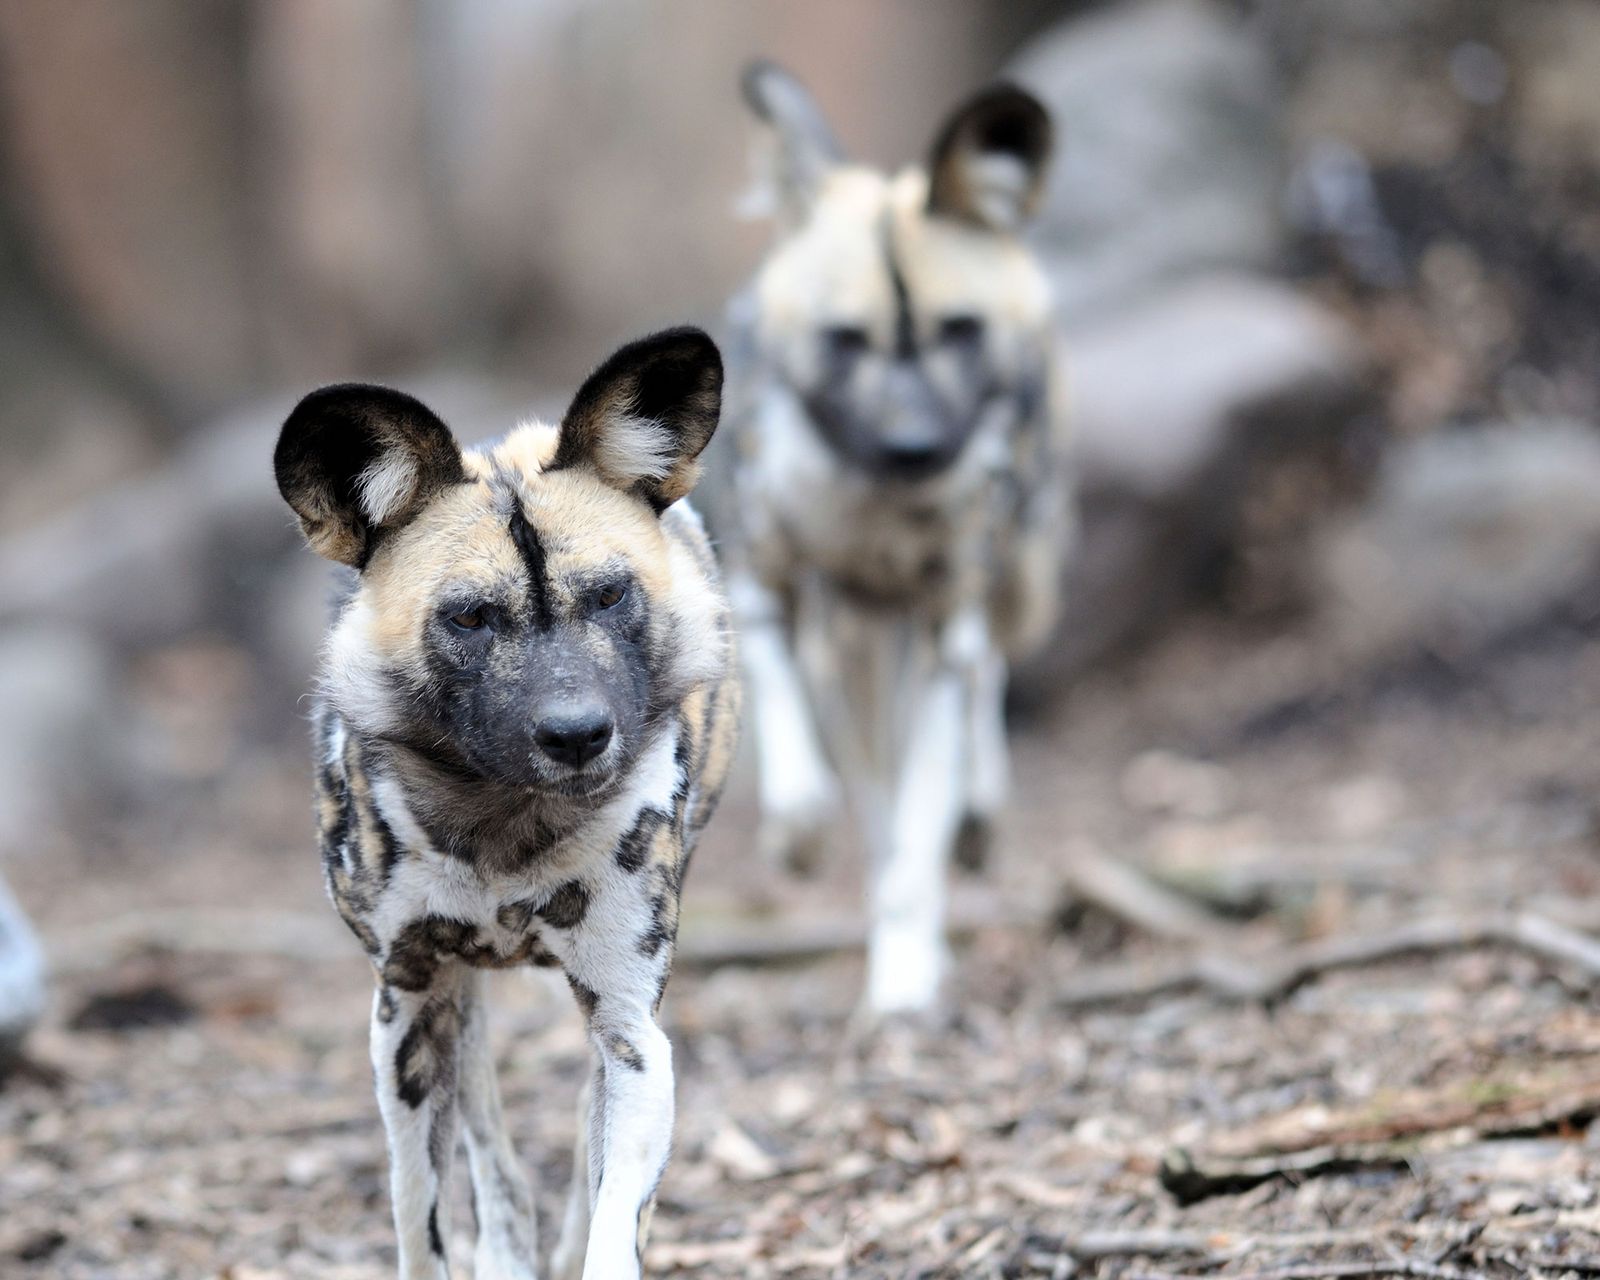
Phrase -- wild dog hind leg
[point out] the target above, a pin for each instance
(986, 766)
(502, 1197)
(798, 793)
(566, 1263)
(415, 1049)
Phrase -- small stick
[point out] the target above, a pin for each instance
(1326, 1271)
(1117, 887)
(1274, 975)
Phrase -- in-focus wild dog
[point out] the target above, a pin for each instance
(901, 493)
(526, 716)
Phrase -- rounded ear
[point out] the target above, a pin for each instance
(641, 419)
(803, 147)
(988, 162)
(355, 461)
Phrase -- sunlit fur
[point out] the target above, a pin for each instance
(495, 591)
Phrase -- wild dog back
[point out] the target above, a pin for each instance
(526, 716)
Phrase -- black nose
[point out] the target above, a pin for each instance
(910, 459)
(574, 736)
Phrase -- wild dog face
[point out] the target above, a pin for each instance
(902, 310)
(519, 616)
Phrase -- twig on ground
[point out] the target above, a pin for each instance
(1411, 1126)
(1124, 891)
(1274, 975)
(1327, 1271)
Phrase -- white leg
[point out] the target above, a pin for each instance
(566, 1263)
(906, 950)
(617, 959)
(507, 1244)
(415, 1041)
(799, 795)
(630, 1136)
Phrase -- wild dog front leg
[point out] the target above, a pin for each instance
(618, 962)
(906, 952)
(415, 1044)
(630, 1132)
(799, 796)
(507, 1245)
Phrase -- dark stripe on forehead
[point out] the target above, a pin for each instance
(526, 539)
(905, 333)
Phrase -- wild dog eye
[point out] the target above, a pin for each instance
(473, 619)
(961, 330)
(610, 595)
(846, 341)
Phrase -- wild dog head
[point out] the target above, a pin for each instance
(520, 614)
(901, 310)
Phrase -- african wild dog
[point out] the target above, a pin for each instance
(904, 509)
(526, 717)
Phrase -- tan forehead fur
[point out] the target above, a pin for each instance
(462, 538)
(831, 270)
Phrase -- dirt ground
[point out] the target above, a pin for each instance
(216, 1116)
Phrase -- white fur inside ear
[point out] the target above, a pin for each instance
(999, 184)
(387, 486)
(631, 449)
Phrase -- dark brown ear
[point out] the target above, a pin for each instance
(642, 418)
(355, 461)
(803, 146)
(988, 162)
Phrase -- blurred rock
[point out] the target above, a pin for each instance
(1167, 158)
(1469, 535)
(1175, 397)
(144, 561)
(62, 721)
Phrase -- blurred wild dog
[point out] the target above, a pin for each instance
(901, 497)
(526, 717)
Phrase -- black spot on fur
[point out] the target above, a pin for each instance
(567, 906)
(516, 916)
(334, 835)
(588, 999)
(425, 1060)
(624, 1051)
(435, 1240)
(634, 851)
(662, 931)
(388, 847)
(418, 949)
(386, 1006)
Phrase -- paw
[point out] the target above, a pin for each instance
(974, 842)
(904, 976)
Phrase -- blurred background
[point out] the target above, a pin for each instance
(1330, 279)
